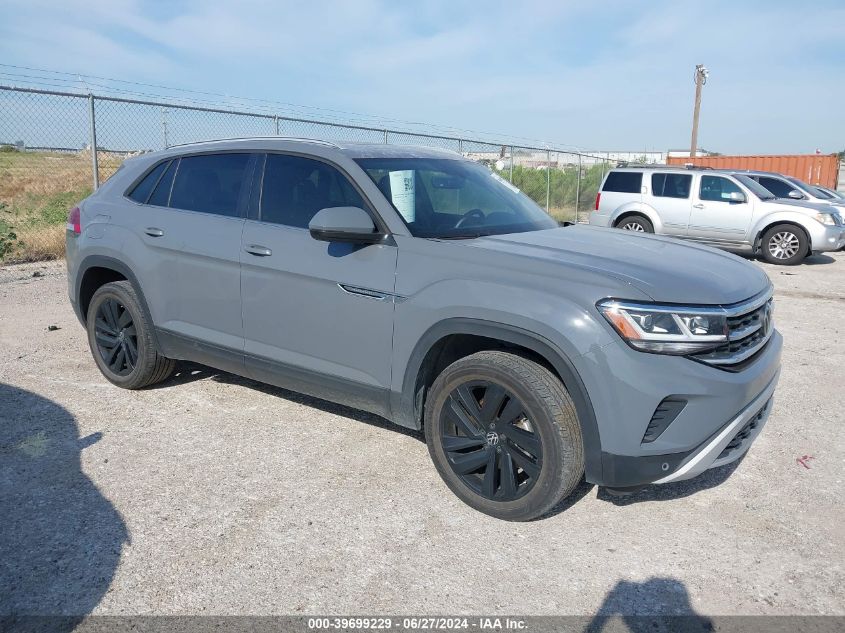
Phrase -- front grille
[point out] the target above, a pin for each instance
(748, 332)
(745, 432)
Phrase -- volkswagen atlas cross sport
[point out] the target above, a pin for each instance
(728, 210)
(419, 285)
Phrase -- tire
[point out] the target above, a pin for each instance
(120, 338)
(635, 223)
(785, 245)
(529, 429)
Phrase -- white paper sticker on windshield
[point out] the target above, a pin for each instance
(402, 192)
(504, 182)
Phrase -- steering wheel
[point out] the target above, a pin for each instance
(477, 214)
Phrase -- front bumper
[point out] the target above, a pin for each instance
(731, 442)
(719, 405)
(828, 238)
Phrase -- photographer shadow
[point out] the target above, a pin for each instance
(60, 538)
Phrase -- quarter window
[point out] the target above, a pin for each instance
(671, 185)
(623, 182)
(294, 188)
(161, 195)
(717, 189)
(210, 183)
(143, 189)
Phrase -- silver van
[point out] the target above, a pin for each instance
(728, 210)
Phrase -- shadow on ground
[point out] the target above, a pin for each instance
(653, 606)
(187, 372)
(668, 492)
(60, 538)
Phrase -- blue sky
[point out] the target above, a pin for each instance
(596, 75)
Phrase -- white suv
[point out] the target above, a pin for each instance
(731, 211)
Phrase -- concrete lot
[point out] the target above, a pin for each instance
(216, 495)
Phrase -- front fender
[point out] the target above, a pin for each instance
(813, 229)
(557, 329)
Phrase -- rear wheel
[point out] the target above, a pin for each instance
(504, 435)
(120, 338)
(784, 244)
(636, 223)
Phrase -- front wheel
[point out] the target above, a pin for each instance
(784, 244)
(504, 435)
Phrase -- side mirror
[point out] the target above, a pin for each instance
(736, 197)
(344, 224)
(795, 195)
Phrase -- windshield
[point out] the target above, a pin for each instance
(452, 199)
(821, 193)
(756, 188)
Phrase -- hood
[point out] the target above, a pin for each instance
(805, 206)
(663, 268)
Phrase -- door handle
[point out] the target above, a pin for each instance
(260, 251)
(698, 206)
(153, 231)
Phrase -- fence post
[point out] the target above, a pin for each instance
(95, 169)
(548, 177)
(276, 123)
(511, 164)
(578, 189)
(385, 137)
(164, 127)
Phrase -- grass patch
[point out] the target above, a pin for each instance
(37, 189)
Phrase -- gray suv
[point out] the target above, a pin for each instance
(419, 285)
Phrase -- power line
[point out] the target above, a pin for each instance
(77, 78)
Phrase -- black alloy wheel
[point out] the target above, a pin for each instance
(489, 442)
(116, 337)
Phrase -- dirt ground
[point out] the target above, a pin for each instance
(212, 494)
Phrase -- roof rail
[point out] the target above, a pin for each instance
(258, 138)
(627, 165)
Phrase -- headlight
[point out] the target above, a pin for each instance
(666, 329)
(825, 218)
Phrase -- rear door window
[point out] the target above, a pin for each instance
(143, 189)
(671, 185)
(210, 183)
(778, 187)
(623, 182)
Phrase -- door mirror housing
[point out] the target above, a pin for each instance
(351, 225)
(736, 197)
(795, 195)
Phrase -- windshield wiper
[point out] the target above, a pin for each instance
(462, 236)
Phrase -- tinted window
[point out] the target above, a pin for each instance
(623, 182)
(210, 183)
(295, 188)
(671, 185)
(717, 189)
(144, 188)
(162, 191)
(778, 187)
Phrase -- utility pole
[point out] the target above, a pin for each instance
(701, 74)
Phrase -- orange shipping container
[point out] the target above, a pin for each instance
(816, 169)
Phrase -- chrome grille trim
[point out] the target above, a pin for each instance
(749, 330)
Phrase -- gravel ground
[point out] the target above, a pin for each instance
(212, 494)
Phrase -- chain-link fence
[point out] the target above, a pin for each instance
(47, 162)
